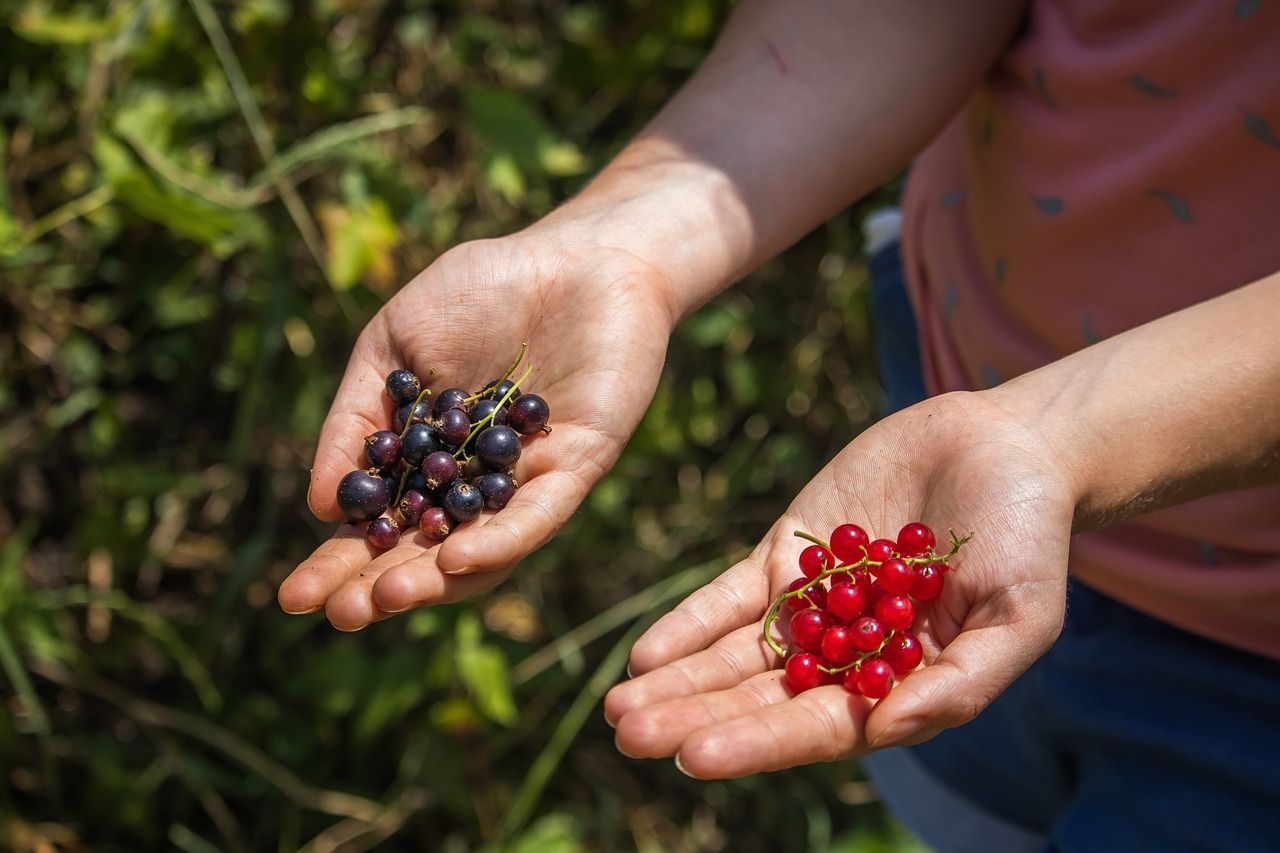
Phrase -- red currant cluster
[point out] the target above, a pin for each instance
(442, 463)
(852, 610)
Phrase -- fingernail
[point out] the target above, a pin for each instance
(461, 570)
(302, 612)
(618, 746)
(899, 731)
(629, 675)
(681, 768)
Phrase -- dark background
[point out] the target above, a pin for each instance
(174, 317)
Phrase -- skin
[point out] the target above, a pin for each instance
(720, 181)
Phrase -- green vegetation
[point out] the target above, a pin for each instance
(202, 204)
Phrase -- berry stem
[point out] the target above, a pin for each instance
(488, 419)
(809, 536)
(408, 422)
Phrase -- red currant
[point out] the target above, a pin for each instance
(867, 634)
(894, 576)
(816, 596)
(896, 611)
(807, 627)
(915, 539)
(875, 677)
(802, 672)
(927, 583)
(903, 652)
(851, 681)
(880, 550)
(814, 559)
(847, 601)
(837, 647)
(848, 542)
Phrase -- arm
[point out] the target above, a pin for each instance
(799, 109)
(1180, 407)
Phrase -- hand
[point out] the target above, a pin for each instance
(597, 329)
(708, 689)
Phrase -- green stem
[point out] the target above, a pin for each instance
(488, 419)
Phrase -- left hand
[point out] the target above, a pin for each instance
(709, 691)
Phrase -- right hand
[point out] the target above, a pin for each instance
(597, 326)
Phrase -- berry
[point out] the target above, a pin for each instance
(435, 523)
(498, 447)
(473, 468)
(402, 386)
(815, 597)
(894, 576)
(421, 412)
(903, 652)
(528, 414)
(848, 542)
(814, 559)
(875, 677)
(484, 409)
(418, 441)
(455, 426)
(836, 645)
(382, 448)
(915, 540)
(382, 534)
(439, 468)
(847, 601)
(879, 550)
(866, 634)
(851, 682)
(412, 505)
(496, 488)
(807, 628)
(926, 585)
(802, 673)
(496, 390)
(896, 612)
(463, 502)
(450, 398)
(362, 495)
(416, 482)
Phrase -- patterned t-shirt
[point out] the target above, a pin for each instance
(1121, 161)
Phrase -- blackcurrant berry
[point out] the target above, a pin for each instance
(484, 409)
(463, 502)
(450, 398)
(496, 488)
(383, 533)
(421, 412)
(412, 505)
(419, 441)
(435, 523)
(362, 495)
(402, 386)
(498, 447)
(439, 468)
(528, 414)
(415, 482)
(382, 448)
(495, 390)
(473, 468)
(454, 427)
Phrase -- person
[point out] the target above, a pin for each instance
(1090, 246)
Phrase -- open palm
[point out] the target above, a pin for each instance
(596, 336)
(708, 689)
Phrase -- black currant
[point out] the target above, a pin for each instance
(383, 533)
(419, 441)
(454, 427)
(463, 502)
(496, 390)
(382, 448)
(498, 447)
(496, 488)
(402, 386)
(362, 495)
(411, 506)
(435, 523)
(450, 398)
(439, 468)
(528, 414)
(484, 409)
(473, 468)
(421, 412)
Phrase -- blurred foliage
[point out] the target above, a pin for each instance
(201, 204)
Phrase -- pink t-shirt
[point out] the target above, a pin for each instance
(1121, 161)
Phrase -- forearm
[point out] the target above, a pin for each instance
(800, 109)
(1181, 407)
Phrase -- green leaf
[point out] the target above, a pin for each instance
(484, 671)
(37, 23)
(509, 126)
(553, 833)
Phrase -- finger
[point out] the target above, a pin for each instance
(736, 598)
(975, 668)
(359, 408)
(823, 724)
(656, 731)
(309, 586)
(556, 472)
(727, 663)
